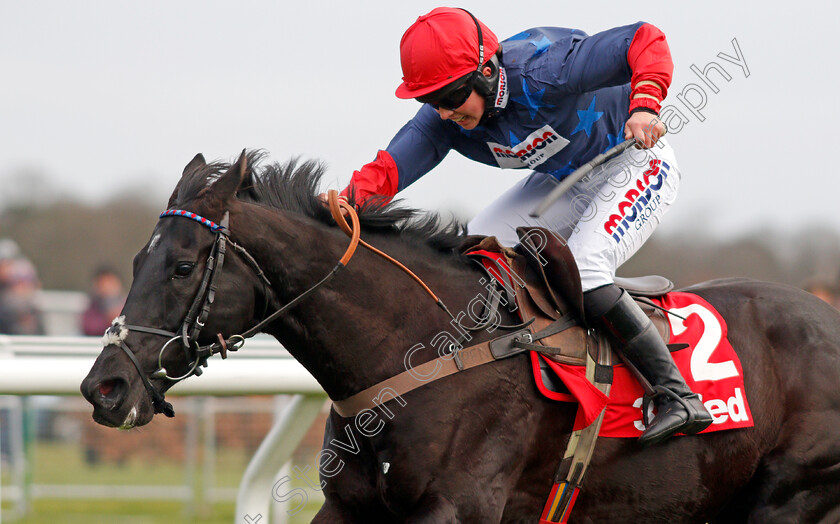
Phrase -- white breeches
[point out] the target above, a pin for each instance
(605, 218)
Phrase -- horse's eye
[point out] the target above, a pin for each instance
(183, 269)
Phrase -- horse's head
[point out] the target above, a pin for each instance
(188, 282)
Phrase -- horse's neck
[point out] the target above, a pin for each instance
(356, 330)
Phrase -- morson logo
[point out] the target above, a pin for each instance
(502, 91)
(538, 147)
(639, 203)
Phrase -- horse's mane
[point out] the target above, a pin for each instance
(294, 186)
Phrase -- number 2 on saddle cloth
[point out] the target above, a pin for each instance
(706, 359)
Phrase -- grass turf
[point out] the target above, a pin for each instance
(56, 464)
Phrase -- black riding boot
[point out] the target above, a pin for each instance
(679, 410)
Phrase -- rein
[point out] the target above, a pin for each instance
(196, 317)
(336, 205)
(581, 444)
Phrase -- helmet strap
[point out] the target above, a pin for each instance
(485, 86)
(488, 87)
(480, 40)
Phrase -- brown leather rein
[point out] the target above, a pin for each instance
(336, 204)
(458, 360)
(193, 322)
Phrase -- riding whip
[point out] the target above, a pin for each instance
(578, 174)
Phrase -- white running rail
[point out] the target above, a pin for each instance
(57, 365)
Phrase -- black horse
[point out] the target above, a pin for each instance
(480, 446)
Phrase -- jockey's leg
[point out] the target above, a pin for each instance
(639, 191)
(605, 218)
(679, 410)
(511, 209)
(592, 200)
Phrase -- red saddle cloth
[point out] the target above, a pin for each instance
(709, 365)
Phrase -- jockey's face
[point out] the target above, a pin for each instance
(466, 115)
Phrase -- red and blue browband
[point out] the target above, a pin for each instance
(198, 218)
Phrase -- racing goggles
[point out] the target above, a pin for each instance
(450, 97)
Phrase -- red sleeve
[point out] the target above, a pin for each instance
(650, 60)
(379, 177)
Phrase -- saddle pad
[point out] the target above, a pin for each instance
(709, 365)
(555, 381)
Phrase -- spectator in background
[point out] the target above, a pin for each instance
(19, 286)
(9, 251)
(107, 298)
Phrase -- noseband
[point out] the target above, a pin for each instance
(193, 322)
(197, 315)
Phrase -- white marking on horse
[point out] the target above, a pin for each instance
(153, 243)
(130, 419)
(116, 333)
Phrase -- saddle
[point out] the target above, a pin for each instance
(545, 286)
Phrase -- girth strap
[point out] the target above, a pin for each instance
(569, 475)
(561, 324)
(457, 361)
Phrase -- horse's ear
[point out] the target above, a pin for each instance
(196, 163)
(229, 182)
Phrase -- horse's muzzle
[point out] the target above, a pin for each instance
(108, 397)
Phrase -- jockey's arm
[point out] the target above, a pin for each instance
(414, 151)
(637, 54)
(650, 60)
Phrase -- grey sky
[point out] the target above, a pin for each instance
(109, 98)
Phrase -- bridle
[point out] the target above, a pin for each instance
(195, 319)
(196, 316)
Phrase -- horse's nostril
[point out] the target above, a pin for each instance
(105, 388)
(110, 392)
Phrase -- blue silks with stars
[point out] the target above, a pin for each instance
(568, 102)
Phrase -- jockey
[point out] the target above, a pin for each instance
(549, 100)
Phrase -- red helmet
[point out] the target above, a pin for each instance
(441, 47)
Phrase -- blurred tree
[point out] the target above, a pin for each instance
(26, 188)
(773, 256)
(66, 240)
